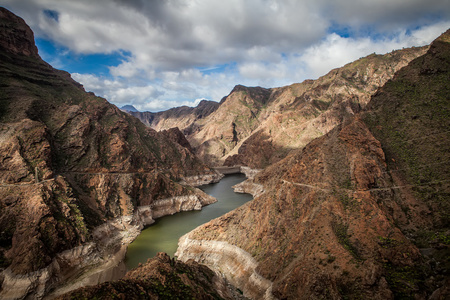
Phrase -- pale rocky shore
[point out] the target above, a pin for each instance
(97, 261)
(235, 264)
(249, 186)
(203, 179)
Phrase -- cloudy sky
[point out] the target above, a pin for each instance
(157, 54)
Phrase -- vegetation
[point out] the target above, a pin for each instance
(159, 278)
(411, 116)
(341, 231)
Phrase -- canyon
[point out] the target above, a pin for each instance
(255, 126)
(79, 178)
(358, 213)
(349, 175)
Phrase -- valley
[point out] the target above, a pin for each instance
(349, 176)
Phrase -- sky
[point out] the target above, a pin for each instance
(158, 54)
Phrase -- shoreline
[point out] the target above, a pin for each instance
(99, 260)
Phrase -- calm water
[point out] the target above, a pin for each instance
(163, 235)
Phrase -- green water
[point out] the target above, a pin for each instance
(163, 235)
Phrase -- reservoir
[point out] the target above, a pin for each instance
(163, 235)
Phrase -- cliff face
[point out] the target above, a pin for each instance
(294, 115)
(359, 213)
(70, 161)
(256, 127)
(16, 36)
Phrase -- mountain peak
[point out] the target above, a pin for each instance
(129, 108)
(445, 37)
(15, 35)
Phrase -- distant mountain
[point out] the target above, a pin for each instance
(182, 117)
(129, 108)
(78, 177)
(255, 126)
(361, 212)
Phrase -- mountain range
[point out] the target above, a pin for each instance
(256, 127)
(361, 212)
(351, 190)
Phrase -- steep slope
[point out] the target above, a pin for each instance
(360, 213)
(181, 117)
(255, 127)
(160, 278)
(296, 114)
(76, 173)
(302, 112)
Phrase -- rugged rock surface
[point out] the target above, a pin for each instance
(255, 127)
(16, 36)
(181, 117)
(70, 162)
(161, 278)
(294, 115)
(359, 213)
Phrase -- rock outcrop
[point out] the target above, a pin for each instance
(15, 36)
(359, 213)
(70, 162)
(233, 262)
(162, 278)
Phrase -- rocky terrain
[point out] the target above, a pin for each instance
(162, 278)
(353, 202)
(181, 117)
(78, 177)
(361, 212)
(256, 127)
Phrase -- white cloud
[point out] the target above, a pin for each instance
(161, 95)
(178, 49)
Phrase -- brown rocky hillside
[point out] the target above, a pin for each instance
(359, 213)
(181, 117)
(161, 278)
(255, 127)
(70, 162)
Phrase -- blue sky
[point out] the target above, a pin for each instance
(159, 54)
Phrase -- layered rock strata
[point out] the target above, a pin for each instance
(71, 162)
(359, 213)
(99, 260)
(238, 266)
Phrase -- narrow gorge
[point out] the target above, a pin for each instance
(359, 213)
(347, 176)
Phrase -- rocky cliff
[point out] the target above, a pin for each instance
(360, 212)
(70, 162)
(255, 127)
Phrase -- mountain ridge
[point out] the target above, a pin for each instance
(184, 116)
(360, 212)
(129, 108)
(277, 120)
(79, 178)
